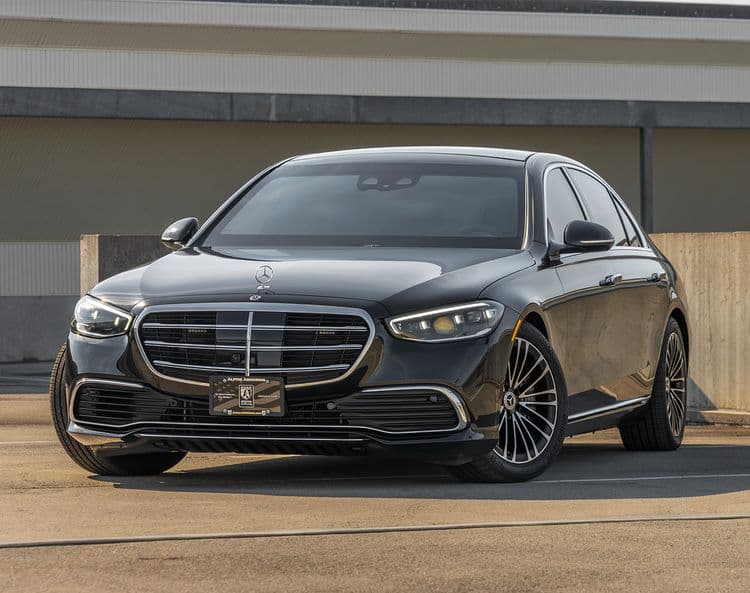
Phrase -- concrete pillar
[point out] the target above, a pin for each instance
(647, 178)
(103, 256)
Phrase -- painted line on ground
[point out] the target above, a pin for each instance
(530, 482)
(25, 442)
(132, 539)
(641, 478)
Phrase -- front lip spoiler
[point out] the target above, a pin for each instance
(92, 434)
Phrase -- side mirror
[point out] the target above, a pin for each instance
(177, 234)
(584, 235)
(581, 236)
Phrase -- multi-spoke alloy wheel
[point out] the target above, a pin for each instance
(533, 411)
(529, 405)
(660, 424)
(675, 384)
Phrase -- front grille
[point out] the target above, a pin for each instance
(391, 411)
(302, 347)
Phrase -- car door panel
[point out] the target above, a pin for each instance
(614, 329)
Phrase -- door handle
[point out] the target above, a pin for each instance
(611, 280)
(658, 277)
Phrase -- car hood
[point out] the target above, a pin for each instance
(400, 279)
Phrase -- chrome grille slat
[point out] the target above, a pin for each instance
(255, 348)
(243, 327)
(331, 328)
(307, 344)
(254, 370)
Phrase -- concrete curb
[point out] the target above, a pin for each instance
(731, 417)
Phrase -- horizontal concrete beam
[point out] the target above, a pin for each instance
(598, 7)
(514, 17)
(262, 107)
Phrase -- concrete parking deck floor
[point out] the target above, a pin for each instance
(690, 528)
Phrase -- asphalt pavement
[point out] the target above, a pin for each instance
(601, 519)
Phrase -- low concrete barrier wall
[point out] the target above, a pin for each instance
(103, 256)
(715, 268)
(34, 327)
(38, 289)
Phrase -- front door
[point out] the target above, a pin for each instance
(615, 303)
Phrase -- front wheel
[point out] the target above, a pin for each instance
(532, 418)
(98, 462)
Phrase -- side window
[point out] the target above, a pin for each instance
(629, 228)
(562, 204)
(599, 204)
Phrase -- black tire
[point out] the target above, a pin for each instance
(98, 462)
(651, 428)
(494, 466)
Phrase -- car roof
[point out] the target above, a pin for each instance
(501, 153)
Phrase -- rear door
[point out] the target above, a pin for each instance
(615, 305)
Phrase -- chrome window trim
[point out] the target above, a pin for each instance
(454, 399)
(252, 307)
(580, 203)
(563, 165)
(528, 210)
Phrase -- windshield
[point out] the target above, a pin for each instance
(439, 202)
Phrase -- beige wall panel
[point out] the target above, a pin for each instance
(62, 178)
(701, 180)
(319, 42)
(715, 268)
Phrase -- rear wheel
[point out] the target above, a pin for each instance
(98, 462)
(532, 417)
(660, 424)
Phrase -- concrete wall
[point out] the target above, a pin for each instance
(38, 288)
(66, 177)
(715, 268)
(34, 327)
(701, 180)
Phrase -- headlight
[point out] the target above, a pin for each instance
(97, 319)
(459, 322)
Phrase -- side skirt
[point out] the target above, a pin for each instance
(604, 417)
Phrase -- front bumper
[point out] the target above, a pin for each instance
(468, 374)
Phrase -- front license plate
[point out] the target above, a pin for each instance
(246, 396)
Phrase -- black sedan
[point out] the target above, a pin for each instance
(465, 306)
